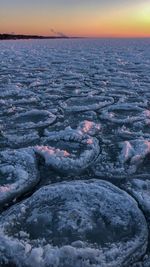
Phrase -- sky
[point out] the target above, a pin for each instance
(91, 18)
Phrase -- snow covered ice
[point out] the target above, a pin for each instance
(18, 173)
(85, 222)
(75, 153)
(67, 161)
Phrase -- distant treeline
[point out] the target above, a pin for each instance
(5, 36)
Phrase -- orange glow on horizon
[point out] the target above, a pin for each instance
(128, 22)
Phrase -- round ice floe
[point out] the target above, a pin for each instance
(130, 134)
(73, 120)
(34, 118)
(69, 150)
(107, 165)
(142, 127)
(135, 100)
(74, 91)
(124, 113)
(86, 103)
(14, 95)
(89, 127)
(75, 224)
(140, 190)
(14, 92)
(25, 101)
(118, 160)
(29, 137)
(134, 153)
(18, 174)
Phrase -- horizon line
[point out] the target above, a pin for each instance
(39, 36)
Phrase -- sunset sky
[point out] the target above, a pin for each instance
(92, 18)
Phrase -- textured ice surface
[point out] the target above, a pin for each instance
(34, 118)
(127, 158)
(86, 103)
(89, 127)
(75, 110)
(134, 154)
(125, 113)
(140, 190)
(91, 222)
(69, 160)
(18, 174)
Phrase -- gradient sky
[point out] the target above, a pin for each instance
(93, 18)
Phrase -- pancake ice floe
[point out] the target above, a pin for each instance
(124, 113)
(140, 190)
(134, 154)
(18, 174)
(86, 103)
(89, 127)
(74, 224)
(34, 119)
(69, 151)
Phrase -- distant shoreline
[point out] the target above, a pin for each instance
(26, 37)
(5, 36)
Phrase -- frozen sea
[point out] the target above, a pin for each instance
(75, 153)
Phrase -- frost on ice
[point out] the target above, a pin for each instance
(86, 103)
(72, 159)
(140, 190)
(70, 224)
(18, 174)
(124, 113)
(34, 118)
(134, 153)
(74, 110)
